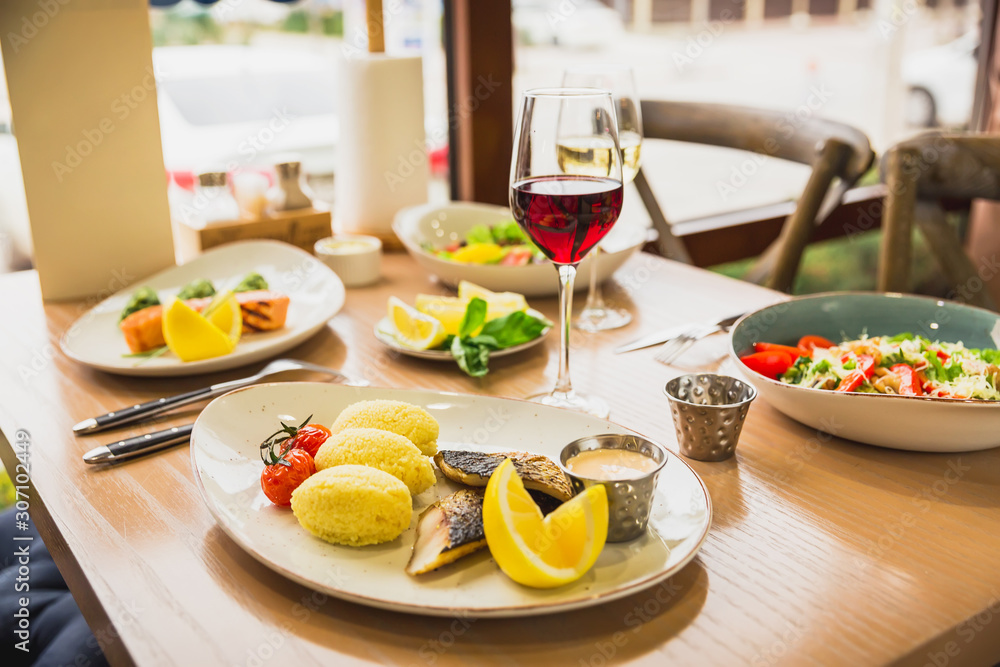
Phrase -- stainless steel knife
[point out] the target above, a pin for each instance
(662, 336)
(139, 445)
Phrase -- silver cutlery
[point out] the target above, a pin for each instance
(142, 411)
(675, 347)
(664, 335)
(139, 445)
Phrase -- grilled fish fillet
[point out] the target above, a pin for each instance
(447, 530)
(537, 472)
(262, 310)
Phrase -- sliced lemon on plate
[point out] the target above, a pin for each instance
(414, 329)
(498, 304)
(225, 313)
(536, 551)
(447, 310)
(192, 337)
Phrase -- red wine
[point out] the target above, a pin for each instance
(566, 216)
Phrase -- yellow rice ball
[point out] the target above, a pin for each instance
(409, 421)
(353, 505)
(385, 451)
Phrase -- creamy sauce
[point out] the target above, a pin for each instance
(611, 464)
(347, 247)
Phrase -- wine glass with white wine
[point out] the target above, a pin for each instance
(582, 157)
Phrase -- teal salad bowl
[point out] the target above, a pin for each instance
(918, 423)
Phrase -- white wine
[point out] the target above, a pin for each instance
(591, 156)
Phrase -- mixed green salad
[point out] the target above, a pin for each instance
(505, 244)
(904, 364)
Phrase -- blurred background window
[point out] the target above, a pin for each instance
(245, 82)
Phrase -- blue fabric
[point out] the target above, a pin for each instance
(58, 634)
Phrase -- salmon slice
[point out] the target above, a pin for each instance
(262, 310)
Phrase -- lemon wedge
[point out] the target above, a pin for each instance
(192, 337)
(413, 328)
(536, 551)
(447, 310)
(498, 304)
(225, 313)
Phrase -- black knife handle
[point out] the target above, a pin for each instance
(139, 445)
(148, 409)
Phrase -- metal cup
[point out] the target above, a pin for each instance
(629, 500)
(709, 411)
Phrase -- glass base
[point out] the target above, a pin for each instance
(591, 405)
(602, 319)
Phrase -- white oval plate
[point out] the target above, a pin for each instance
(384, 334)
(315, 291)
(226, 462)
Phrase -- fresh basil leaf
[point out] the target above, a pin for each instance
(900, 337)
(514, 329)
(472, 358)
(475, 315)
(485, 341)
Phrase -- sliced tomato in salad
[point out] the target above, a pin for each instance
(810, 342)
(796, 352)
(771, 363)
(909, 380)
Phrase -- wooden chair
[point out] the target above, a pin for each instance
(836, 152)
(920, 173)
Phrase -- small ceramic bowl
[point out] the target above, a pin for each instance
(355, 258)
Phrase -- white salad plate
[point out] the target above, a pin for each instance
(916, 423)
(227, 465)
(316, 294)
(385, 333)
(437, 225)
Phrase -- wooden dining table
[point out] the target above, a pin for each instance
(821, 551)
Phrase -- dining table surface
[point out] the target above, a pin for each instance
(821, 551)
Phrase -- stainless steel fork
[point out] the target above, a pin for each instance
(675, 347)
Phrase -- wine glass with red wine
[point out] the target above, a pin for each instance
(565, 215)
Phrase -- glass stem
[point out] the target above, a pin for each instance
(595, 299)
(567, 277)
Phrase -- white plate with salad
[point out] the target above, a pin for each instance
(469, 329)
(268, 278)
(484, 245)
(891, 370)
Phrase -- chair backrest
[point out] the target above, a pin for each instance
(834, 151)
(958, 166)
(779, 134)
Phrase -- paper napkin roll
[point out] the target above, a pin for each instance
(381, 150)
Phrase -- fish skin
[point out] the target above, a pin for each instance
(462, 512)
(474, 469)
